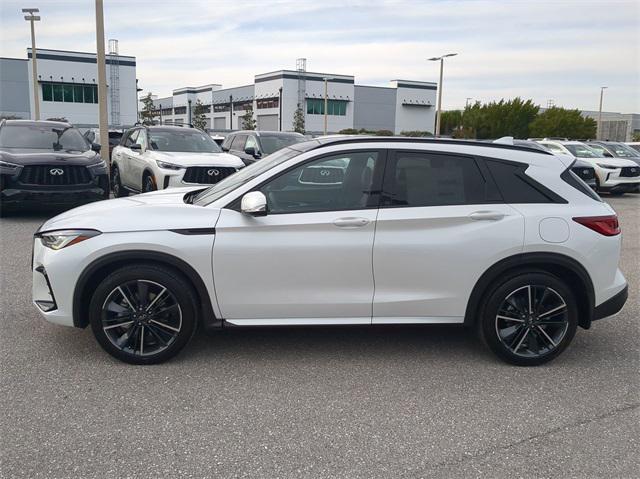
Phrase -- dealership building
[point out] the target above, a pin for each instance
(67, 86)
(274, 98)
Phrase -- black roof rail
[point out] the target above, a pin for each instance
(408, 139)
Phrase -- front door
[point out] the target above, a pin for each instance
(441, 225)
(308, 261)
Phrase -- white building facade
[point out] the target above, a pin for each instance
(275, 96)
(67, 87)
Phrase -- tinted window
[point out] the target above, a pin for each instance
(238, 142)
(339, 182)
(182, 140)
(271, 143)
(42, 137)
(130, 138)
(583, 151)
(430, 179)
(251, 142)
(514, 185)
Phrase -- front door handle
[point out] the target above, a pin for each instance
(351, 222)
(487, 215)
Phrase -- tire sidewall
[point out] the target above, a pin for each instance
(149, 179)
(174, 283)
(499, 293)
(116, 181)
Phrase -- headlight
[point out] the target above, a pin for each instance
(168, 166)
(62, 238)
(100, 164)
(611, 167)
(6, 164)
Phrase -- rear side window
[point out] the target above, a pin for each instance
(430, 179)
(516, 187)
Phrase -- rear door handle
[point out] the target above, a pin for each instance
(351, 222)
(487, 215)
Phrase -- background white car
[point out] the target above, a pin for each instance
(157, 157)
(613, 175)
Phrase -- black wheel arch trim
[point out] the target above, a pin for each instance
(542, 261)
(80, 301)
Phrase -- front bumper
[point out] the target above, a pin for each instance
(12, 193)
(176, 178)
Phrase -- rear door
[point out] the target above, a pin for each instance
(441, 224)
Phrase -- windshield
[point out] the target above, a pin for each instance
(43, 137)
(273, 143)
(243, 176)
(583, 151)
(187, 141)
(622, 151)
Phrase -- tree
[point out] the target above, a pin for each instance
(248, 123)
(636, 137)
(298, 120)
(148, 112)
(497, 119)
(565, 123)
(450, 121)
(198, 119)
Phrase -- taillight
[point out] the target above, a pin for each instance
(605, 225)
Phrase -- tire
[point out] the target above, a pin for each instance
(529, 335)
(148, 183)
(143, 314)
(116, 183)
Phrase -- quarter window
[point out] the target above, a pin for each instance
(430, 179)
(338, 182)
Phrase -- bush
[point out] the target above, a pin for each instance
(416, 133)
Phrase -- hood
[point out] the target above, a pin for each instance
(159, 210)
(25, 157)
(619, 162)
(197, 159)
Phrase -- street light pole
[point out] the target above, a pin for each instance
(34, 67)
(103, 117)
(599, 128)
(326, 102)
(438, 114)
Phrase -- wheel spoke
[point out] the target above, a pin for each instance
(529, 296)
(117, 325)
(156, 298)
(158, 334)
(507, 318)
(164, 310)
(126, 298)
(544, 333)
(557, 309)
(141, 340)
(177, 330)
(143, 292)
(545, 293)
(521, 340)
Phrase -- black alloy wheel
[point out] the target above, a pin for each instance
(530, 319)
(116, 183)
(148, 184)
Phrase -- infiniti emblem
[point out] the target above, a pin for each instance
(324, 173)
(213, 172)
(56, 171)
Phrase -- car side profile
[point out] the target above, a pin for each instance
(613, 175)
(344, 231)
(251, 145)
(151, 158)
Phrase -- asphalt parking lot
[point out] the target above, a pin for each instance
(353, 402)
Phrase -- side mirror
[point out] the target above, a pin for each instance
(251, 150)
(96, 147)
(254, 203)
(136, 147)
(225, 148)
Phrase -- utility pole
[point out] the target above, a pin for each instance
(103, 120)
(599, 128)
(439, 113)
(34, 67)
(326, 103)
(280, 109)
(189, 112)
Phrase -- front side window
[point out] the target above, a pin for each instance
(141, 139)
(238, 142)
(251, 143)
(430, 179)
(333, 183)
(41, 137)
(130, 138)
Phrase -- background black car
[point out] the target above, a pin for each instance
(252, 145)
(48, 163)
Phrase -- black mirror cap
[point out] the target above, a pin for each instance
(96, 147)
(136, 147)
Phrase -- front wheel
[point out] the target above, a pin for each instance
(529, 319)
(143, 314)
(148, 183)
(116, 183)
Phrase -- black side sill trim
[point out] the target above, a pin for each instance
(612, 305)
(195, 231)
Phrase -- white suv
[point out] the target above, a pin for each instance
(503, 238)
(613, 175)
(158, 157)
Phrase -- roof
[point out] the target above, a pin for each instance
(270, 133)
(37, 122)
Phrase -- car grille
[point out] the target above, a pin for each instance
(630, 171)
(207, 174)
(54, 175)
(585, 173)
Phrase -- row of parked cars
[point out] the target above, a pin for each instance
(52, 163)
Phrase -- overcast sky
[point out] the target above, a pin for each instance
(544, 50)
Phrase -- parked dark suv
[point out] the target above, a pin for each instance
(49, 163)
(252, 145)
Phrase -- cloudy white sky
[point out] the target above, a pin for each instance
(561, 50)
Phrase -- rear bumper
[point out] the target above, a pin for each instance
(613, 305)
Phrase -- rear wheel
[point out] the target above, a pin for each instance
(529, 319)
(143, 314)
(116, 183)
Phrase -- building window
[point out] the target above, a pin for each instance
(315, 106)
(221, 107)
(69, 93)
(180, 110)
(243, 105)
(267, 103)
(167, 111)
